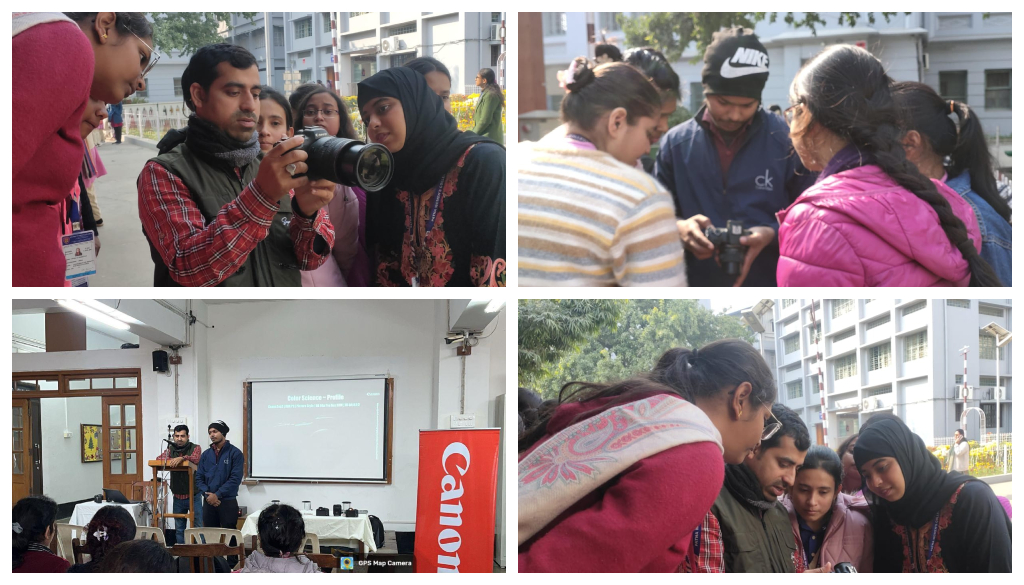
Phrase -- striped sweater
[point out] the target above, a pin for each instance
(586, 219)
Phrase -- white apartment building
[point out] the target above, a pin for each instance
(901, 356)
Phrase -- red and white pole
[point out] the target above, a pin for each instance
(821, 376)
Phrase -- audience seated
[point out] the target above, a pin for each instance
(282, 532)
(34, 524)
(138, 556)
(111, 526)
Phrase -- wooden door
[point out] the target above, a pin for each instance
(122, 428)
(820, 433)
(21, 445)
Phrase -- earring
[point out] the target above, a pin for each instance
(740, 413)
(104, 36)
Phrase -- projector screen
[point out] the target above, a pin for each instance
(318, 429)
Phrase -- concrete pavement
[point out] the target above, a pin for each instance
(124, 252)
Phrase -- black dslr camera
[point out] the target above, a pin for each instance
(844, 568)
(345, 161)
(727, 241)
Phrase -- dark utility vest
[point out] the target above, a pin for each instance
(754, 543)
(272, 262)
(179, 479)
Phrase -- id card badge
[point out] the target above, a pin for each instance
(80, 254)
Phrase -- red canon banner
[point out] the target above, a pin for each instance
(455, 501)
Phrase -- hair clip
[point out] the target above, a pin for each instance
(16, 527)
(951, 111)
(101, 534)
(568, 77)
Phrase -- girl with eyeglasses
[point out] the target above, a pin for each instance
(58, 61)
(829, 526)
(872, 218)
(605, 456)
(925, 519)
(347, 210)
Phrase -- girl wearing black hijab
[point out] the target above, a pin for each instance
(927, 520)
(441, 222)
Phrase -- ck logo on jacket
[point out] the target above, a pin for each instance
(763, 182)
(745, 62)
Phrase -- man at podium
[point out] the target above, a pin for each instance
(182, 450)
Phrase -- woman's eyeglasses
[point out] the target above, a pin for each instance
(790, 113)
(154, 57)
(771, 428)
(311, 113)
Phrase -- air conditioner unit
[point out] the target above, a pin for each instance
(966, 392)
(395, 43)
(385, 45)
(495, 28)
(867, 404)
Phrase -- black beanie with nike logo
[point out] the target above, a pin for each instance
(736, 64)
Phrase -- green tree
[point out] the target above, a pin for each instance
(672, 32)
(548, 329)
(646, 329)
(187, 32)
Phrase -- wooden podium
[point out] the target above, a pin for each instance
(159, 514)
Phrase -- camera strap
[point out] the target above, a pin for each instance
(428, 227)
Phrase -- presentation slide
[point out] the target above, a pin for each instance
(318, 429)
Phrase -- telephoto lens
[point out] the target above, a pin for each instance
(345, 161)
(844, 568)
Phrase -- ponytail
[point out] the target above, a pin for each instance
(852, 97)
(30, 519)
(963, 142)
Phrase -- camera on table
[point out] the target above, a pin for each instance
(727, 241)
(345, 161)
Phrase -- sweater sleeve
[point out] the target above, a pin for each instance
(648, 509)
(983, 530)
(485, 169)
(54, 60)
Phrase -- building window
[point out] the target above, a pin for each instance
(769, 358)
(259, 41)
(792, 344)
(278, 36)
(403, 29)
(495, 53)
(880, 390)
(608, 21)
(696, 96)
(986, 346)
(816, 332)
(795, 389)
(554, 23)
(792, 367)
(953, 85)
(843, 336)
(998, 84)
(177, 87)
(915, 346)
(990, 311)
(786, 303)
(304, 28)
(914, 308)
(363, 67)
(326, 16)
(814, 384)
(958, 410)
(841, 307)
(990, 415)
(987, 381)
(959, 379)
(868, 301)
(305, 75)
(879, 357)
(401, 59)
(495, 18)
(355, 14)
(846, 367)
(879, 321)
(960, 303)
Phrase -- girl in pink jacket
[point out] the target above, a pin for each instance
(872, 219)
(828, 525)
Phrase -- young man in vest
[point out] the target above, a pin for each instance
(747, 529)
(216, 210)
(731, 161)
(220, 474)
(183, 449)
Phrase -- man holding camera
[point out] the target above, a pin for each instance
(731, 161)
(183, 450)
(216, 210)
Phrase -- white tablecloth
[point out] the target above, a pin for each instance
(325, 528)
(86, 510)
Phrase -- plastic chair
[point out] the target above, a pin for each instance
(150, 533)
(213, 535)
(204, 555)
(65, 533)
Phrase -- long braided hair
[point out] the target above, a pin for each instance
(847, 91)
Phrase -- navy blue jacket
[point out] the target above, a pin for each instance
(766, 176)
(220, 476)
(996, 233)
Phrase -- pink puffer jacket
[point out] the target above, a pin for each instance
(848, 537)
(860, 228)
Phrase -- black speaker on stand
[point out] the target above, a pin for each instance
(160, 361)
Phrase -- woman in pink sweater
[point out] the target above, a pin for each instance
(830, 527)
(615, 477)
(872, 219)
(58, 61)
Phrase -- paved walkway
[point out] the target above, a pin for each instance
(124, 252)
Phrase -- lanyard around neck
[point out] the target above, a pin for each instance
(931, 545)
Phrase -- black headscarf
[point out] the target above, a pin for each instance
(433, 141)
(928, 486)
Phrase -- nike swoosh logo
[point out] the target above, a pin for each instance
(730, 72)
